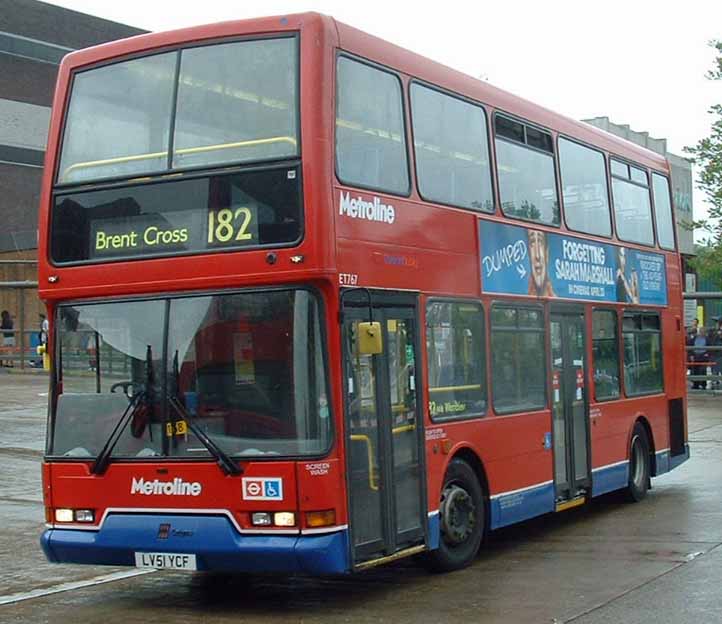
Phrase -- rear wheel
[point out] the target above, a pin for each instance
(462, 519)
(639, 469)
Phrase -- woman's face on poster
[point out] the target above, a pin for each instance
(538, 257)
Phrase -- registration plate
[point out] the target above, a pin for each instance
(165, 561)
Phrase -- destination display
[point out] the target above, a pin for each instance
(231, 211)
(522, 261)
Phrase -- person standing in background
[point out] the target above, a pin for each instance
(6, 323)
(714, 339)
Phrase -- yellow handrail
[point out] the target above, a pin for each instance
(359, 437)
(451, 388)
(185, 150)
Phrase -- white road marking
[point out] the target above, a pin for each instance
(63, 587)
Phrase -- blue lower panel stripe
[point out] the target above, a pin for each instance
(610, 478)
(434, 531)
(517, 506)
(662, 463)
(676, 460)
(215, 542)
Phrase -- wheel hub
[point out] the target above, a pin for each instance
(458, 514)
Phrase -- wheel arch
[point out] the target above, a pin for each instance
(470, 456)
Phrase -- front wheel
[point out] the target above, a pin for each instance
(462, 518)
(639, 469)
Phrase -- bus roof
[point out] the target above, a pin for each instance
(385, 53)
(407, 62)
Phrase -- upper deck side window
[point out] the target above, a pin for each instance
(525, 165)
(584, 188)
(632, 204)
(451, 148)
(663, 211)
(214, 104)
(370, 134)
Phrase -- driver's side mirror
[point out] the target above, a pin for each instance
(369, 338)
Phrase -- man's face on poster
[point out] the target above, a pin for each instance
(538, 257)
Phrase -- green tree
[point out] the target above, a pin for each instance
(707, 156)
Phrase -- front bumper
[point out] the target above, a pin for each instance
(213, 539)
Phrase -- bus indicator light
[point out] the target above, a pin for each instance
(316, 519)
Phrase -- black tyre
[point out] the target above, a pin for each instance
(462, 516)
(639, 468)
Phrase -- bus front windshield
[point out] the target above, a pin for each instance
(246, 368)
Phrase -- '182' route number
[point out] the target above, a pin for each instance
(228, 225)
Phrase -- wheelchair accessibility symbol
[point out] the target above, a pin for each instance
(262, 488)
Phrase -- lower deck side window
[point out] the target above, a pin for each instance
(455, 350)
(605, 354)
(517, 359)
(642, 354)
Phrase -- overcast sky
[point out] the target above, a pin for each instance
(638, 62)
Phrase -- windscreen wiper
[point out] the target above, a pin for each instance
(228, 465)
(101, 461)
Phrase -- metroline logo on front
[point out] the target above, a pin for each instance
(176, 487)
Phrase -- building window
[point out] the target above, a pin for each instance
(605, 355)
(525, 165)
(451, 149)
(632, 207)
(518, 368)
(370, 137)
(584, 189)
(642, 354)
(663, 211)
(456, 359)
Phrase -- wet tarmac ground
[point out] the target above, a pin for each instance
(657, 561)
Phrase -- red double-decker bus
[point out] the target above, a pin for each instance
(319, 303)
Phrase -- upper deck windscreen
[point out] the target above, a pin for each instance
(223, 103)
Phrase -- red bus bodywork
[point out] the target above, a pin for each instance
(431, 250)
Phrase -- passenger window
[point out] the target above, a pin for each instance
(584, 189)
(642, 354)
(525, 165)
(451, 149)
(638, 176)
(370, 138)
(456, 355)
(663, 211)
(605, 355)
(518, 368)
(620, 169)
(632, 206)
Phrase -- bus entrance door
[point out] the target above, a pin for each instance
(384, 437)
(569, 409)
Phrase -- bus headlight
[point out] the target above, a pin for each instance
(261, 518)
(84, 515)
(63, 515)
(284, 518)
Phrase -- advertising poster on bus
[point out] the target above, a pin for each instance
(522, 261)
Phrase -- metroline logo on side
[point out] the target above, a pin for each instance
(176, 487)
(359, 208)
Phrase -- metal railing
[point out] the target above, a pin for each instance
(17, 346)
(20, 348)
(704, 366)
(704, 362)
